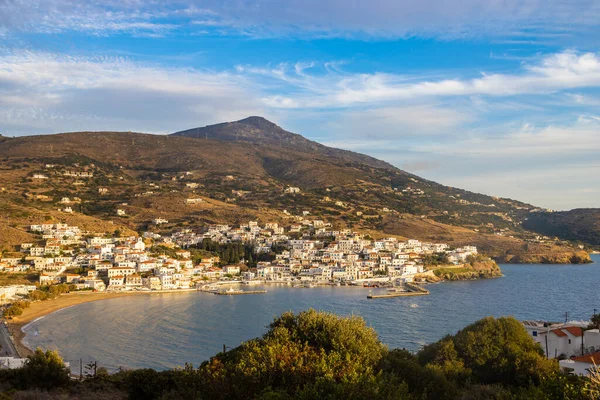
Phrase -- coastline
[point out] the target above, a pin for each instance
(41, 309)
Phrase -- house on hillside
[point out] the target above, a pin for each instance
(559, 340)
(292, 190)
(231, 269)
(582, 365)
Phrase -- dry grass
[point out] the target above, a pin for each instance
(594, 388)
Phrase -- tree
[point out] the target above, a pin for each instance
(13, 311)
(595, 321)
(423, 382)
(495, 351)
(44, 370)
(297, 350)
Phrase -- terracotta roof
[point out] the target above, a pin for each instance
(558, 333)
(574, 330)
(590, 358)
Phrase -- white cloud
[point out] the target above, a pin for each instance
(530, 20)
(42, 92)
(97, 18)
(556, 72)
(581, 138)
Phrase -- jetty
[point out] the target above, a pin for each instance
(409, 289)
(233, 292)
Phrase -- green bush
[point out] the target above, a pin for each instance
(44, 370)
(13, 311)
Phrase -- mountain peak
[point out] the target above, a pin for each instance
(260, 131)
(253, 129)
(258, 122)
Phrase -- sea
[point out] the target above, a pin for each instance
(168, 330)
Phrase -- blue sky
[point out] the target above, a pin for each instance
(500, 97)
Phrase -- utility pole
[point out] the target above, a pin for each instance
(566, 317)
(81, 369)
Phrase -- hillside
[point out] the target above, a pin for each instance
(244, 170)
(580, 225)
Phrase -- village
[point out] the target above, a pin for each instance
(308, 251)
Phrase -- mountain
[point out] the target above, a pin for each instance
(244, 170)
(258, 130)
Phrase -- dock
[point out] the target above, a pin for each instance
(411, 290)
(238, 292)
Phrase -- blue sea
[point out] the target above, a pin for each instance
(167, 330)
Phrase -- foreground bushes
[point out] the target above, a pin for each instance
(315, 355)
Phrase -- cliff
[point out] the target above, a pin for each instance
(475, 270)
(550, 257)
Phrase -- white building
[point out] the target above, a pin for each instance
(581, 365)
(560, 340)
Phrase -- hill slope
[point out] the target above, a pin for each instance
(242, 171)
(582, 225)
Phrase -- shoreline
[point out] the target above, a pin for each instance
(41, 309)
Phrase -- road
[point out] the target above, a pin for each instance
(8, 348)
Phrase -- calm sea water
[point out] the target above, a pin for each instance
(166, 330)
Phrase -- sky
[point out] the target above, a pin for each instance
(500, 97)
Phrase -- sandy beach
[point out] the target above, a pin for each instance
(42, 308)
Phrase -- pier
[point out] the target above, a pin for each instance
(409, 289)
(238, 292)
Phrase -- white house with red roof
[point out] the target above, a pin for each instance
(581, 365)
(560, 340)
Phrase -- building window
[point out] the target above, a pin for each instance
(569, 341)
(534, 333)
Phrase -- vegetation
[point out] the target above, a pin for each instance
(43, 370)
(11, 278)
(581, 225)
(435, 259)
(50, 291)
(475, 268)
(314, 355)
(15, 309)
(234, 253)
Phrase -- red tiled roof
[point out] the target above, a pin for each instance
(574, 330)
(558, 333)
(590, 358)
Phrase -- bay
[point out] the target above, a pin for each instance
(167, 330)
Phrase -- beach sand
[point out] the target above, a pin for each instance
(41, 308)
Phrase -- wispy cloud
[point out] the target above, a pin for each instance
(529, 20)
(556, 72)
(44, 92)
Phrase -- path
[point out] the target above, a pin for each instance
(8, 348)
